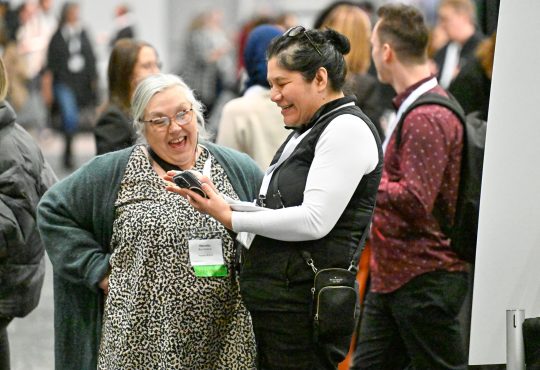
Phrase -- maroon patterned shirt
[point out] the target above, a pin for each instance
(421, 174)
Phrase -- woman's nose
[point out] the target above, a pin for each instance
(275, 96)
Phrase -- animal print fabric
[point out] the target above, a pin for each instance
(158, 314)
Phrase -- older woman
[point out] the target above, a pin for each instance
(320, 189)
(112, 231)
(129, 63)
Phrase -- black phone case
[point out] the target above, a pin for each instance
(187, 180)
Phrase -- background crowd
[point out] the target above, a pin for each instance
(60, 91)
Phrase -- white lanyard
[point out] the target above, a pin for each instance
(289, 148)
(420, 90)
(207, 164)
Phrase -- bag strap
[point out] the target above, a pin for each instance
(355, 256)
(449, 102)
(453, 105)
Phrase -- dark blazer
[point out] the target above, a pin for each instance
(472, 88)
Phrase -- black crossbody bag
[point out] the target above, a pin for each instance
(335, 296)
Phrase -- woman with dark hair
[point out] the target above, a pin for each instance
(71, 78)
(315, 201)
(129, 63)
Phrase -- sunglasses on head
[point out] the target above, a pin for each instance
(301, 30)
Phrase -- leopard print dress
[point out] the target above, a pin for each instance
(158, 314)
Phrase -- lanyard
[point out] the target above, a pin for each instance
(289, 148)
(420, 90)
(207, 168)
(171, 167)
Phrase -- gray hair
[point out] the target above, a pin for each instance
(154, 84)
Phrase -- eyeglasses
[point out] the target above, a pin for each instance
(301, 30)
(182, 118)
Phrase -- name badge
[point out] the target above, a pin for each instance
(206, 257)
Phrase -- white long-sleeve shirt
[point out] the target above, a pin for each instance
(345, 151)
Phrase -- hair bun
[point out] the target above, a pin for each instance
(340, 42)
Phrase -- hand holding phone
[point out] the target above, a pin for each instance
(188, 180)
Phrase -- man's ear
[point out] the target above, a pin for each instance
(387, 53)
(321, 79)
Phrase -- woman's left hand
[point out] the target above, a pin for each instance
(214, 205)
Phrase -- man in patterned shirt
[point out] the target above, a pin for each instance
(418, 284)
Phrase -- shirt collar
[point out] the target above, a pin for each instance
(398, 99)
(321, 111)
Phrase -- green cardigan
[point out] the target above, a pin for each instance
(75, 219)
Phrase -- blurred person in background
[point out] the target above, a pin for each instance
(47, 17)
(24, 178)
(208, 65)
(457, 18)
(472, 85)
(437, 40)
(15, 64)
(252, 123)
(70, 80)
(129, 291)
(124, 25)
(37, 25)
(243, 34)
(130, 62)
(354, 23)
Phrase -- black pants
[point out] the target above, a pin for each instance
(285, 341)
(4, 343)
(415, 327)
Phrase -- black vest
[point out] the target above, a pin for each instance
(274, 275)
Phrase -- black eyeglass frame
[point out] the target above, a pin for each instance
(301, 30)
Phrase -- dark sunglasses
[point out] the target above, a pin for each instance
(301, 30)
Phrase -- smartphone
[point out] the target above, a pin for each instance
(188, 180)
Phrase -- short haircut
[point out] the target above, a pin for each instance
(122, 63)
(355, 24)
(298, 54)
(3, 80)
(403, 28)
(461, 6)
(154, 84)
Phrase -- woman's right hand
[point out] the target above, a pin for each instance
(214, 205)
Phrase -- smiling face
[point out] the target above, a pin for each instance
(174, 143)
(297, 98)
